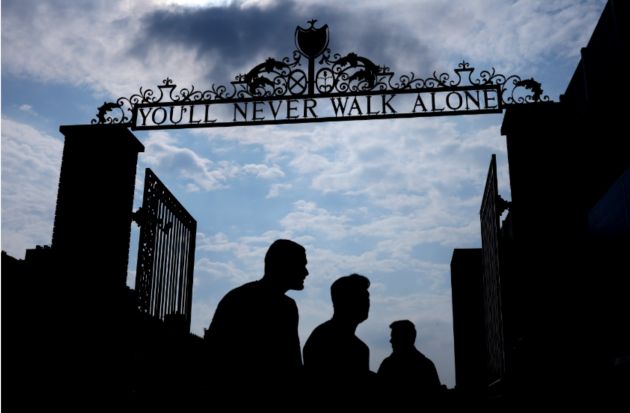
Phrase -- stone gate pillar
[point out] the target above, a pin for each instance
(94, 207)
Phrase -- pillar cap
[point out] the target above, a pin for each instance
(106, 131)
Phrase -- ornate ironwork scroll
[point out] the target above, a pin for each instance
(166, 254)
(297, 88)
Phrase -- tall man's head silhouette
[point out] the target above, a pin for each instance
(285, 265)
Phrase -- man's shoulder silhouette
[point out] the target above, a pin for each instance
(323, 335)
(255, 299)
(253, 334)
(242, 291)
(332, 348)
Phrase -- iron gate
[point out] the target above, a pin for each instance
(166, 254)
(492, 205)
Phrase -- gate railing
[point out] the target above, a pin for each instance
(166, 254)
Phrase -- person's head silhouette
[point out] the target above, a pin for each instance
(285, 265)
(350, 298)
(403, 336)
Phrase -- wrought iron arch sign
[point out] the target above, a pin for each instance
(327, 87)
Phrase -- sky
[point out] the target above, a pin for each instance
(389, 199)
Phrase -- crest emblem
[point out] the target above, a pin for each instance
(311, 42)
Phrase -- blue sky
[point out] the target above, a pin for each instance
(389, 199)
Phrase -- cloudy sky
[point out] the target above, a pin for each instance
(389, 199)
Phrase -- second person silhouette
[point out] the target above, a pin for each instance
(336, 361)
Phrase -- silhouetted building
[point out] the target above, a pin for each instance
(468, 320)
(564, 243)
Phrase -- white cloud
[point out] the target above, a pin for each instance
(162, 151)
(393, 164)
(26, 108)
(307, 217)
(59, 42)
(511, 35)
(248, 252)
(257, 3)
(221, 270)
(276, 189)
(263, 171)
(191, 3)
(93, 45)
(201, 315)
(200, 173)
(30, 174)
(220, 243)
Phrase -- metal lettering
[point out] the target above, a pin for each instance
(386, 104)
(309, 108)
(420, 103)
(242, 111)
(449, 103)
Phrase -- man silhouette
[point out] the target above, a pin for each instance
(336, 361)
(253, 341)
(407, 375)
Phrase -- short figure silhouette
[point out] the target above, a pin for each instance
(336, 361)
(407, 375)
(252, 341)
